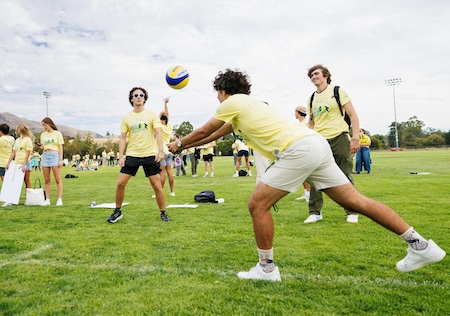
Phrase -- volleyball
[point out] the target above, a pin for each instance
(177, 77)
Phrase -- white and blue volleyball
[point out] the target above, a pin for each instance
(177, 77)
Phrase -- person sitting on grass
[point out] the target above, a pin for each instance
(300, 154)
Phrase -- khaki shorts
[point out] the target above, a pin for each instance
(308, 159)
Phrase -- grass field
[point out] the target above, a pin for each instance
(69, 261)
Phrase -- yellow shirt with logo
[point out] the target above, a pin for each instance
(21, 146)
(208, 148)
(328, 120)
(140, 129)
(52, 140)
(265, 129)
(6, 147)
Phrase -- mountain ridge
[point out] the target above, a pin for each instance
(36, 127)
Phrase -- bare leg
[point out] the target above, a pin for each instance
(259, 206)
(59, 184)
(347, 196)
(159, 192)
(46, 173)
(120, 189)
(170, 177)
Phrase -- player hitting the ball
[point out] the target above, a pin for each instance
(300, 154)
(142, 127)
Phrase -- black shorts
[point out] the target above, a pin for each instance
(2, 171)
(208, 157)
(242, 153)
(132, 164)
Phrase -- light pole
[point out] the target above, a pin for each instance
(47, 95)
(393, 83)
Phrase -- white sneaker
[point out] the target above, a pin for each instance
(416, 259)
(194, 176)
(303, 197)
(205, 175)
(172, 193)
(313, 218)
(353, 218)
(249, 174)
(7, 204)
(212, 174)
(257, 273)
(59, 202)
(153, 196)
(235, 175)
(46, 203)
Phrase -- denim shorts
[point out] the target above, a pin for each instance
(50, 159)
(167, 161)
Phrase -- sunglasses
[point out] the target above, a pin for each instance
(301, 114)
(139, 95)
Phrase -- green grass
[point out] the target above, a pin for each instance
(69, 261)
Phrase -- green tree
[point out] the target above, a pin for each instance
(183, 129)
(434, 140)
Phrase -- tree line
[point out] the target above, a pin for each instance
(412, 134)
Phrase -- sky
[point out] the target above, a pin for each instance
(89, 53)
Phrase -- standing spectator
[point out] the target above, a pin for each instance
(104, 158)
(178, 165)
(6, 147)
(208, 153)
(23, 145)
(35, 161)
(111, 158)
(300, 153)
(144, 148)
(235, 153)
(363, 155)
(242, 150)
(78, 158)
(300, 115)
(327, 119)
(52, 158)
(166, 163)
(182, 156)
(194, 161)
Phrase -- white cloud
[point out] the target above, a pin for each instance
(88, 54)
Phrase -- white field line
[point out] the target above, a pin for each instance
(343, 279)
(24, 256)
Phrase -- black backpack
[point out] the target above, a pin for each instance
(338, 100)
(205, 197)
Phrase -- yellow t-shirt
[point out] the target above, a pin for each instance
(21, 146)
(166, 132)
(328, 120)
(364, 140)
(240, 145)
(140, 129)
(6, 147)
(208, 148)
(52, 140)
(265, 129)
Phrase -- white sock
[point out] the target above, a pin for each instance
(414, 239)
(206, 173)
(266, 260)
(307, 193)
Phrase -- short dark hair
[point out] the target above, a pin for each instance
(325, 72)
(232, 82)
(4, 128)
(130, 95)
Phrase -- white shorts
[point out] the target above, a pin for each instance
(307, 159)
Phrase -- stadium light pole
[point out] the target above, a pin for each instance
(394, 82)
(47, 95)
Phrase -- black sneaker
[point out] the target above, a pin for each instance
(115, 216)
(164, 217)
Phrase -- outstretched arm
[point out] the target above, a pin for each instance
(212, 130)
